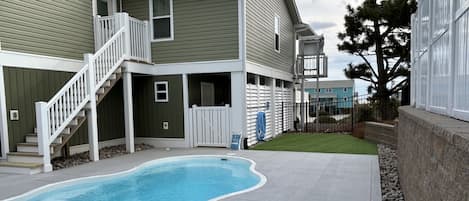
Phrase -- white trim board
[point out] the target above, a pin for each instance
(85, 147)
(163, 142)
(185, 68)
(267, 71)
(3, 118)
(39, 62)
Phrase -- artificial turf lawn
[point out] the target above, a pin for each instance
(326, 143)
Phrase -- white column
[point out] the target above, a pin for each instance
(125, 19)
(238, 103)
(92, 114)
(42, 123)
(128, 112)
(185, 99)
(3, 117)
(273, 102)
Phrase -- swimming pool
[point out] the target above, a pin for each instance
(194, 178)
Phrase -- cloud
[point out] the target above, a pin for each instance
(322, 25)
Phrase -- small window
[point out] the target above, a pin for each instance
(345, 89)
(161, 14)
(161, 92)
(277, 33)
(329, 90)
(345, 99)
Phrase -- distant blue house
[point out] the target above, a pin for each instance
(333, 95)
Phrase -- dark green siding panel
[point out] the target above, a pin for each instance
(110, 118)
(47, 27)
(203, 31)
(24, 87)
(149, 115)
(260, 34)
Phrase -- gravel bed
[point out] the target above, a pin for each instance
(106, 152)
(390, 186)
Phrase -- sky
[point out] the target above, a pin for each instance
(327, 17)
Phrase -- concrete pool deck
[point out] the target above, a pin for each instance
(291, 176)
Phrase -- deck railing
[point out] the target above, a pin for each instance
(106, 27)
(439, 57)
(55, 115)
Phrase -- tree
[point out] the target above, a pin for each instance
(379, 29)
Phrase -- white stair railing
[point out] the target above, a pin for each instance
(54, 116)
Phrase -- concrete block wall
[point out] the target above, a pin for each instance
(381, 133)
(433, 156)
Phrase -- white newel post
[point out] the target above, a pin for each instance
(128, 113)
(273, 103)
(126, 22)
(92, 114)
(147, 41)
(42, 123)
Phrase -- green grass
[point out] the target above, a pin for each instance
(326, 143)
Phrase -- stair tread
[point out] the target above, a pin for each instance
(20, 165)
(33, 154)
(33, 144)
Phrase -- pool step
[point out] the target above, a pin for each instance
(20, 168)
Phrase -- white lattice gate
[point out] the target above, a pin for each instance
(210, 126)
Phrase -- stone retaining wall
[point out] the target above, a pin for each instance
(433, 156)
(381, 133)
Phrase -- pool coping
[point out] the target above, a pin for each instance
(261, 183)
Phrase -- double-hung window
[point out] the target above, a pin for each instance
(161, 15)
(277, 33)
(161, 92)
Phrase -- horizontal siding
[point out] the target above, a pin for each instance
(149, 115)
(260, 16)
(202, 31)
(24, 87)
(52, 28)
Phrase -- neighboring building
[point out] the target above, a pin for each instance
(333, 95)
(175, 73)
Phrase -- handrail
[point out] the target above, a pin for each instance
(54, 116)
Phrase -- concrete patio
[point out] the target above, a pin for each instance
(290, 176)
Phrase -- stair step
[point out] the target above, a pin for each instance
(81, 114)
(66, 131)
(113, 77)
(32, 147)
(33, 138)
(24, 157)
(74, 122)
(100, 91)
(20, 168)
(107, 84)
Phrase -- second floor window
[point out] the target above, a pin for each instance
(277, 33)
(162, 19)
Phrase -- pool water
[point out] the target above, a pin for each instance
(190, 178)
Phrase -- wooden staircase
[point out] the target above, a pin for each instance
(27, 160)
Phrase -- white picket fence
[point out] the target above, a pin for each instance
(55, 115)
(210, 126)
(440, 57)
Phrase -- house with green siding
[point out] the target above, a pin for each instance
(76, 76)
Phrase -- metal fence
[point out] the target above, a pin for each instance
(340, 115)
(440, 57)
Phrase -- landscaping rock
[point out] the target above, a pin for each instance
(104, 153)
(390, 186)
